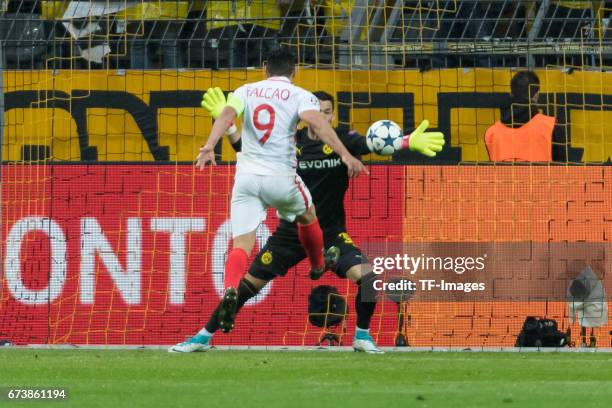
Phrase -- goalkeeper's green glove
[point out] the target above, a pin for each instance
(426, 143)
(214, 102)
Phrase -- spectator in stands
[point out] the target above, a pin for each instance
(525, 134)
(240, 32)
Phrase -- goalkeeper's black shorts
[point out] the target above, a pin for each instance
(283, 251)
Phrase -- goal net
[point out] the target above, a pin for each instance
(110, 235)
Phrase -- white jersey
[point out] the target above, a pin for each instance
(269, 123)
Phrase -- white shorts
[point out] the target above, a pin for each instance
(253, 194)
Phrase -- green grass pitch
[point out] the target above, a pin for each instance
(153, 378)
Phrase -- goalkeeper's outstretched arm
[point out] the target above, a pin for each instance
(426, 143)
(419, 140)
(316, 121)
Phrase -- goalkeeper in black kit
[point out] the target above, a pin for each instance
(326, 177)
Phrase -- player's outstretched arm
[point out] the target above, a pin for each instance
(426, 143)
(223, 122)
(316, 121)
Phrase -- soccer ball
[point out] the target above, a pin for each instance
(384, 137)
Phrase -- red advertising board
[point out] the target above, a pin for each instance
(133, 254)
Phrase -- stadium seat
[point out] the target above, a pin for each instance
(239, 34)
(24, 40)
(147, 24)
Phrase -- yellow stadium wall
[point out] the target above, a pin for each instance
(42, 105)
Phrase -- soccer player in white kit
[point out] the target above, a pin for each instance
(266, 167)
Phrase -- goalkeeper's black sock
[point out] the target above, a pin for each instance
(365, 309)
(246, 291)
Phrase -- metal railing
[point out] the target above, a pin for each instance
(356, 34)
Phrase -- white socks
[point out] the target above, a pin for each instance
(205, 333)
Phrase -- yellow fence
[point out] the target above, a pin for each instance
(155, 115)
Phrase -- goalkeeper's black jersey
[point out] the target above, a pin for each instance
(326, 176)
